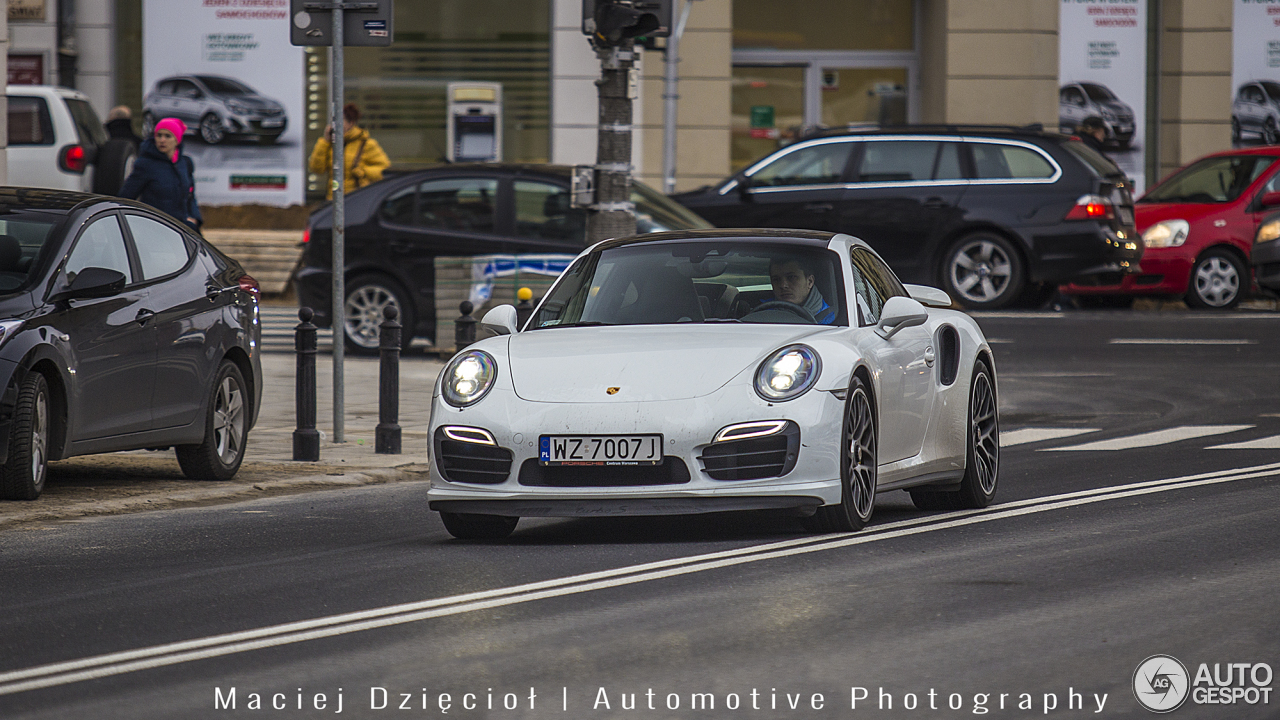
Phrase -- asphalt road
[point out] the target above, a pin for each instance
(1136, 517)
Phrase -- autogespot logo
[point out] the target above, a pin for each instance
(1161, 683)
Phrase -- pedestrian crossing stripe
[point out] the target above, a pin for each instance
(1266, 443)
(1156, 437)
(1030, 435)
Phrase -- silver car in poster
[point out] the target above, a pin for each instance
(1256, 112)
(215, 108)
(1080, 101)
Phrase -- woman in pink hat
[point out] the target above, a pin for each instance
(163, 177)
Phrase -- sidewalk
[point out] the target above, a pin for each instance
(141, 480)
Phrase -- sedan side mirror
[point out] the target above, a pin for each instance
(93, 282)
(1270, 200)
(898, 313)
(500, 320)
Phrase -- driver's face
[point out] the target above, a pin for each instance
(790, 282)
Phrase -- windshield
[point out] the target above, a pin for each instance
(656, 212)
(88, 125)
(223, 86)
(22, 238)
(1273, 89)
(1211, 180)
(1098, 93)
(729, 280)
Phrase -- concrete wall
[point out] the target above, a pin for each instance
(95, 42)
(703, 109)
(1195, 82)
(38, 37)
(990, 61)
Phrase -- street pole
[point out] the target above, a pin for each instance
(339, 264)
(670, 95)
(614, 214)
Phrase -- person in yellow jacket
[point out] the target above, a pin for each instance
(363, 158)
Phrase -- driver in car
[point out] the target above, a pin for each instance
(793, 283)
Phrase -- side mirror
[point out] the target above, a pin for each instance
(93, 282)
(929, 296)
(744, 189)
(500, 320)
(900, 312)
(1270, 200)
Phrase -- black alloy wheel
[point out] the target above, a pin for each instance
(468, 526)
(982, 452)
(226, 429)
(24, 474)
(858, 467)
(983, 271)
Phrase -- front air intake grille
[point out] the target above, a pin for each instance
(672, 471)
(468, 462)
(754, 458)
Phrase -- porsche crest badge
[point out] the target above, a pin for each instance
(612, 390)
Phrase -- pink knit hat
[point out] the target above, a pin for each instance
(173, 125)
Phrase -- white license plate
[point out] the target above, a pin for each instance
(600, 449)
(1126, 216)
(272, 123)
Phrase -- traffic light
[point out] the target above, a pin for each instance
(609, 22)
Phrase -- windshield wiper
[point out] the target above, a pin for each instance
(586, 323)
(721, 320)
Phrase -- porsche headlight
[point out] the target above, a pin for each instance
(1269, 231)
(788, 373)
(468, 377)
(1166, 233)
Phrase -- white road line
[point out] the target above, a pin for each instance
(221, 645)
(1030, 435)
(1266, 443)
(1178, 341)
(1158, 437)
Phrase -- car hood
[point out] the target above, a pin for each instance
(645, 362)
(257, 102)
(1148, 214)
(1117, 106)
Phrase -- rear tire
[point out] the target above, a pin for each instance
(1218, 281)
(226, 429)
(858, 467)
(211, 130)
(982, 452)
(467, 526)
(983, 271)
(24, 474)
(115, 160)
(368, 297)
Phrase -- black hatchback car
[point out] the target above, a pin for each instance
(397, 227)
(119, 330)
(993, 215)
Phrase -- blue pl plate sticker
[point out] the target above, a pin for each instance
(544, 449)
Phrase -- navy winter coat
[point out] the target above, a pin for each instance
(167, 186)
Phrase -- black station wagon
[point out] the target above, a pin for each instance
(993, 215)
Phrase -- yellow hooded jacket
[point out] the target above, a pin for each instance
(367, 169)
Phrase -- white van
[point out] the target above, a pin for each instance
(54, 137)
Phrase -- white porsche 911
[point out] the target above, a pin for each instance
(717, 370)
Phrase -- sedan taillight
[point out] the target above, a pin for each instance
(1092, 207)
(73, 158)
(249, 285)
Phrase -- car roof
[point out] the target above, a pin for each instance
(1035, 130)
(560, 171)
(60, 201)
(799, 237)
(1272, 150)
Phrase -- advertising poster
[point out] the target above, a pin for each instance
(226, 69)
(1102, 68)
(1255, 73)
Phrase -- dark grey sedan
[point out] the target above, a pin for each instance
(119, 330)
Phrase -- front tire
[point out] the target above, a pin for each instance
(226, 429)
(211, 130)
(368, 297)
(858, 467)
(982, 452)
(1216, 281)
(983, 271)
(468, 526)
(24, 474)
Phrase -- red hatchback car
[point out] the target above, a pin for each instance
(1198, 226)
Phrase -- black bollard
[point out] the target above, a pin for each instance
(464, 328)
(386, 438)
(524, 308)
(306, 440)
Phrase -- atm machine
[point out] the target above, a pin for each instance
(474, 122)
